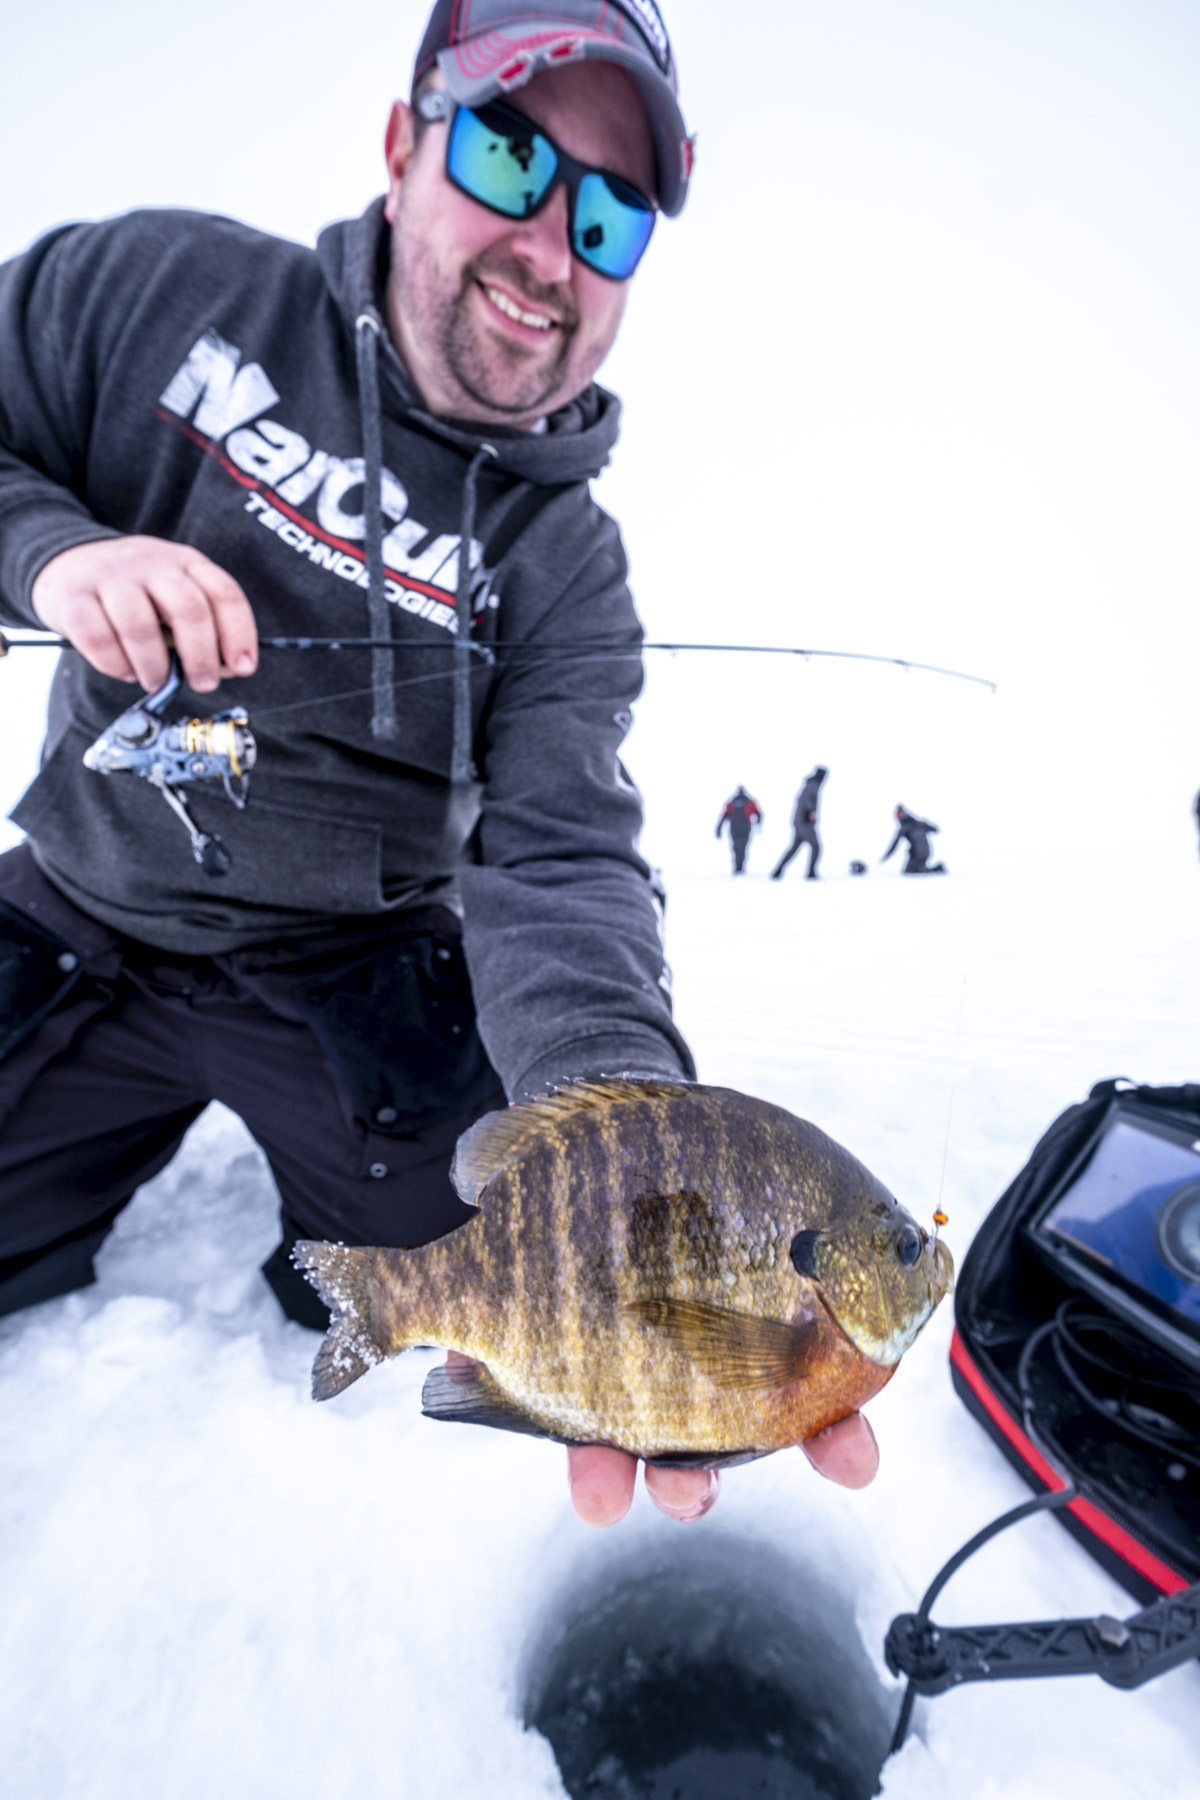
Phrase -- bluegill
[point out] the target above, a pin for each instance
(677, 1270)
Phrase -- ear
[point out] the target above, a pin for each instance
(397, 153)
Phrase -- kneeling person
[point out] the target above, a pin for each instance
(431, 906)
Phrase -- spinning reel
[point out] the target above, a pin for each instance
(170, 756)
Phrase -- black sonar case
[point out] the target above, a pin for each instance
(1077, 1348)
(1115, 1398)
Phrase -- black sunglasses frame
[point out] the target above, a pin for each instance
(437, 106)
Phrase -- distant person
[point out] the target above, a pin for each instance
(804, 826)
(743, 815)
(916, 834)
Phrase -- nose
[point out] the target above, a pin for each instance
(543, 241)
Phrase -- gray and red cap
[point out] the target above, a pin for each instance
(489, 48)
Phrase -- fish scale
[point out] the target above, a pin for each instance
(677, 1270)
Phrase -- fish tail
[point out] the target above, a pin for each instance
(349, 1349)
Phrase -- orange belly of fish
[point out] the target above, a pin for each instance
(651, 1402)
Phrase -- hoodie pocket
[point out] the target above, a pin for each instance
(50, 988)
(37, 972)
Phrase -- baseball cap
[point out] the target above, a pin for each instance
(485, 48)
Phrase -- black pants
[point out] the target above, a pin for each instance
(97, 1098)
(801, 834)
(919, 864)
(738, 843)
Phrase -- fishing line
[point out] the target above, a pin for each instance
(895, 662)
(269, 712)
(962, 1005)
(266, 712)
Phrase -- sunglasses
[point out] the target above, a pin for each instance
(510, 165)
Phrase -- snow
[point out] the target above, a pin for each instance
(917, 374)
(212, 1583)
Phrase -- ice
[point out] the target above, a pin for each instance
(211, 1582)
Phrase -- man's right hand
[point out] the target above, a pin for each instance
(111, 600)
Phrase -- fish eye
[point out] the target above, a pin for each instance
(802, 1251)
(908, 1246)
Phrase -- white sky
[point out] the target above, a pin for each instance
(915, 373)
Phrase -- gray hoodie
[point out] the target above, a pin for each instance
(190, 378)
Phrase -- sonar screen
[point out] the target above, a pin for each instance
(1125, 1226)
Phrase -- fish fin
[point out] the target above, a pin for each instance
(499, 1138)
(735, 1350)
(469, 1394)
(703, 1459)
(348, 1349)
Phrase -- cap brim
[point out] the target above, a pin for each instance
(503, 59)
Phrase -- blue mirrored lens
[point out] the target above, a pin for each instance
(612, 226)
(506, 169)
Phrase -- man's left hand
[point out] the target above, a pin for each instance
(602, 1480)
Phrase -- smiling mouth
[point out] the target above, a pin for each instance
(520, 315)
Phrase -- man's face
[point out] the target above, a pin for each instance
(496, 319)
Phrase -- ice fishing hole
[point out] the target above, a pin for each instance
(710, 1670)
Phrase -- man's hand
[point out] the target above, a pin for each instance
(602, 1480)
(112, 598)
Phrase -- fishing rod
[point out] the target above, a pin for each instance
(582, 648)
(173, 755)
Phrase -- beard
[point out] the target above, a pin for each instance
(499, 374)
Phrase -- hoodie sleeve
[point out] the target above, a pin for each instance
(46, 403)
(561, 925)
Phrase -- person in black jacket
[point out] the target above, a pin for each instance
(916, 834)
(743, 815)
(804, 825)
(434, 901)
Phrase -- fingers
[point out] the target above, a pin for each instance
(683, 1494)
(237, 633)
(137, 626)
(846, 1452)
(87, 628)
(112, 598)
(601, 1482)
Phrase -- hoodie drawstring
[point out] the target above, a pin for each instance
(462, 769)
(367, 328)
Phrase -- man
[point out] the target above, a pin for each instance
(804, 826)
(916, 834)
(433, 900)
(743, 815)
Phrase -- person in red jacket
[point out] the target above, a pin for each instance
(743, 815)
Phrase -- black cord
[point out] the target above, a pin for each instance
(1047, 1502)
(1092, 1350)
(1150, 1398)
